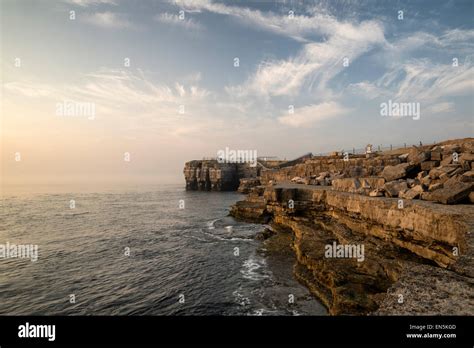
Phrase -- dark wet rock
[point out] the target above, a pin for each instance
(265, 234)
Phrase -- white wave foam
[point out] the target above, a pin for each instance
(263, 311)
(202, 239)
(254, 269)
(210, 224)
(233, 239)
(240, 299)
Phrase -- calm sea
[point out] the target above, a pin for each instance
(191, 260)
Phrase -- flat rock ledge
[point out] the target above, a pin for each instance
(417, 256)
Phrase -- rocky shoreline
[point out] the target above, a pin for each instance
(396, 242)
(409, 211)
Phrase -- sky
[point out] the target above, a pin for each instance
(173, 81)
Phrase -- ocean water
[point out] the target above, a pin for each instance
(191, 261)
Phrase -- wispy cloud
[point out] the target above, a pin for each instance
(87, 3)
(316, 64)
(425, 80)
(120, 93)
(175, 20)
(109, 20)
(420, 80)
(312, 114)
(367, 90)
(455, 40)
(444, 107)
(285, 60)
(297, 26)
(325, 40)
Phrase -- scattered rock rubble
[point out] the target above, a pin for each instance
(438, 173)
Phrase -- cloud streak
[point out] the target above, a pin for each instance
(312, 114)
(87, 3)
(109, 20)
(174, 20)
(123, 94)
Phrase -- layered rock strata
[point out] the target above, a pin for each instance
(401, 244)
(210, 175)
(407, 213)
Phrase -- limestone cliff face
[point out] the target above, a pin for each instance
(433, 239)
(209, 175)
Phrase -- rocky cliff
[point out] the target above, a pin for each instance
(210, 175)
(436, 240)
(406, 215)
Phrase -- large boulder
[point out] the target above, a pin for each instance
(323, 175)
(435, 187)
(450, 149)
(373, 182)
(466, 159)
(436, 155)
(466, 156)
(412, 193)
(447, 159)
(416, 156)
(394, 188)
(346, 185)
(426, 181)
(452, 180)
(356, 171)
(468, 176)
(399, 171)
(299, 180)
(404, 157)
(454, 193)
(428, 165)
(457, 171)
(437, 172)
